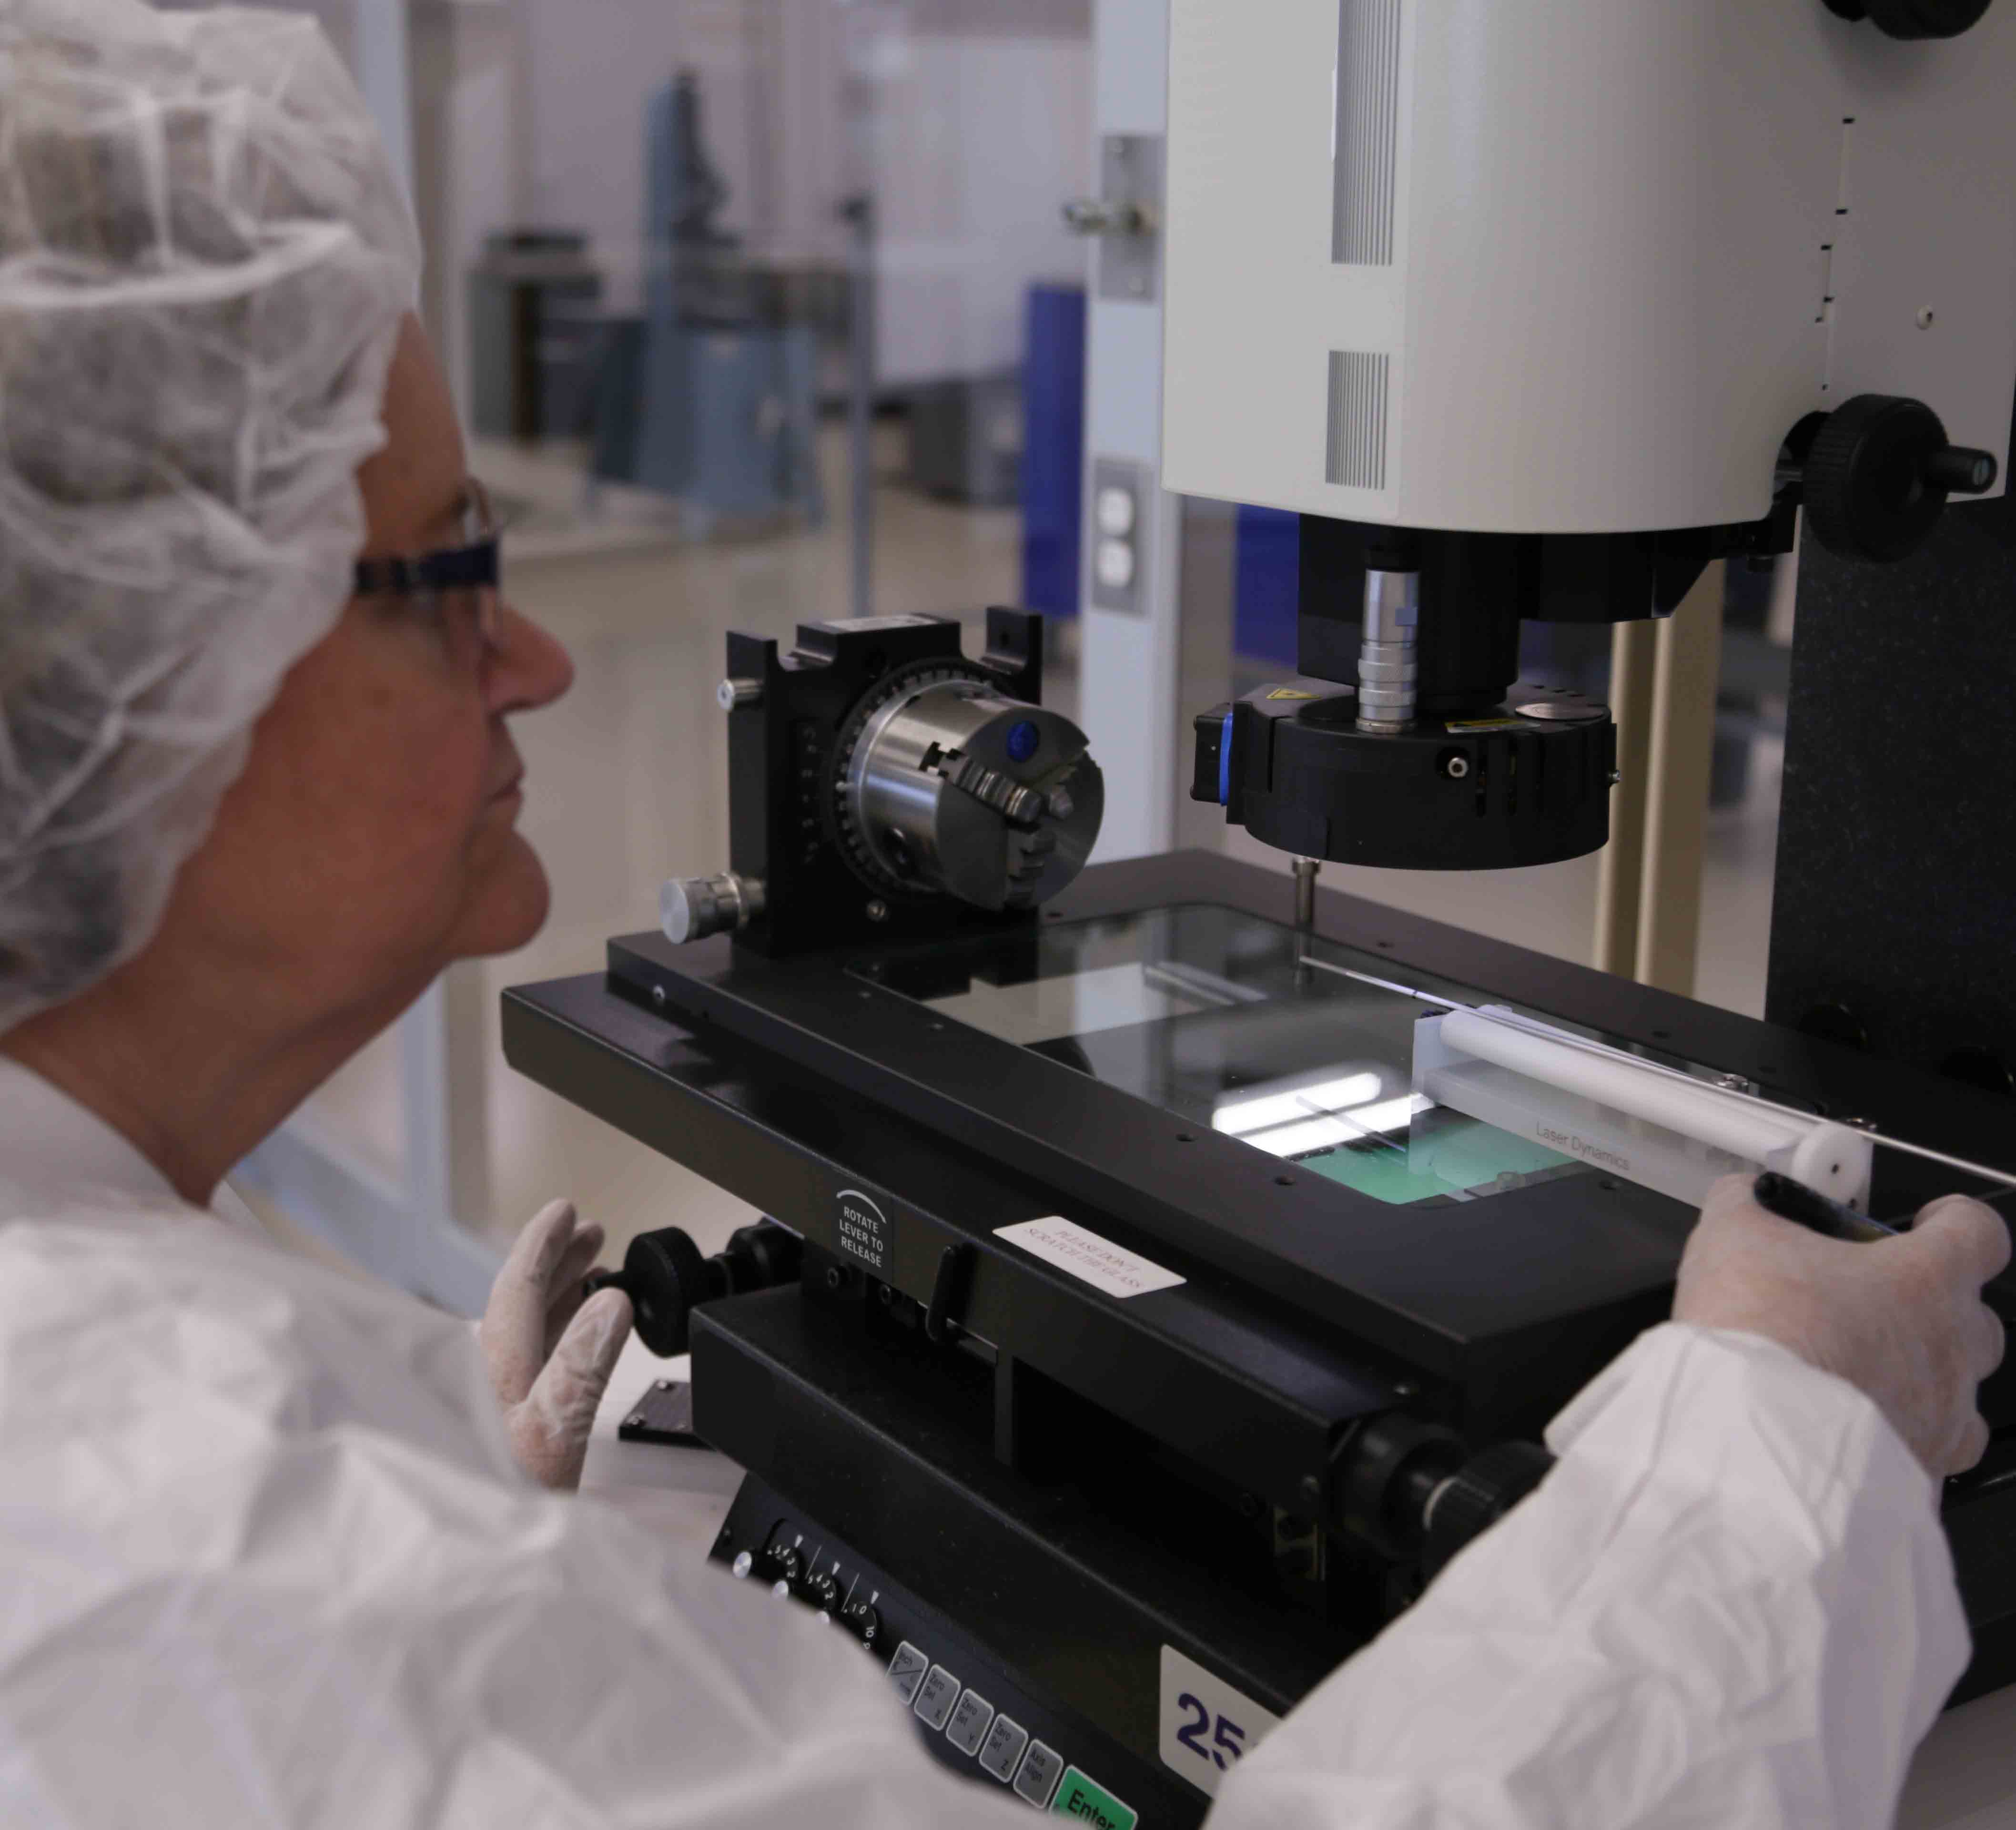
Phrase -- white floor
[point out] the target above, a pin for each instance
(628, 784)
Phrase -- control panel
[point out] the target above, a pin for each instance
(974, 1714)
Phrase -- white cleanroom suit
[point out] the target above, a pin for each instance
(265, 1559)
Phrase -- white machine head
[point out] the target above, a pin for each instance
(1574, 266)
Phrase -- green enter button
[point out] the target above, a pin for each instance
(1079, 1797)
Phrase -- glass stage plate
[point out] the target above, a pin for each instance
(1247, 1027)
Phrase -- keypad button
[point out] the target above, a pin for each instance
(1082, 1797)
(1003, 1748)
(969, 1722)
(907, 1669)
(936, 1696)
(1041, 1767)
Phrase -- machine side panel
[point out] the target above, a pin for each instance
(1922, 273)
(1895, 897)
(1255, 304)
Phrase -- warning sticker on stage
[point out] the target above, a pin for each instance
(864, 1229)
(1089, 1258)
(1290, 693)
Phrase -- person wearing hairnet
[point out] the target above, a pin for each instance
(276, 1547)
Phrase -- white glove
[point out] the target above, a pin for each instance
(1901, 1319)
(549, 1353)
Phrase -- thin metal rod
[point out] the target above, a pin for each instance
(1406, 991)
(1939, 1156)
(1385, 1140)
(860, 213)
(1532, 1026)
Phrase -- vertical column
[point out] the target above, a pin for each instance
(1131, 657)
(1684, 696)
(1633, 658)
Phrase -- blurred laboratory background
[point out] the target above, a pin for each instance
(763, 312)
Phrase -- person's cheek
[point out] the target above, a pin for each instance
(429, 777)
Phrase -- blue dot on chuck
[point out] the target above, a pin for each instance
(1023, 739)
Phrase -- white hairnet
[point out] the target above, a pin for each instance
(204, 261)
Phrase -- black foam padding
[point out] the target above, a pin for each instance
(1896, 879)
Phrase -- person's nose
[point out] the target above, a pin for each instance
(528, 669)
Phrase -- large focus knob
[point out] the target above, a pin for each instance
(1877, 474)
(664, 1276)
(1477, 1495)
(1926, 19)
(1915, 18)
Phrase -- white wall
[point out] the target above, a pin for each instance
(1131, 662)
(979, 142)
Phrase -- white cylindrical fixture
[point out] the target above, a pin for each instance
(1838, 1165)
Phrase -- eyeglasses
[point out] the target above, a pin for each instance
(468, 570)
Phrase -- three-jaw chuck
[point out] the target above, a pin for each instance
(883, 786)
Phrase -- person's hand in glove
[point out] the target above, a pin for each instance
(549, 1353)
(1901, 1319)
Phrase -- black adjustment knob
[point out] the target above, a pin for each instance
(1477, 1495)
(664, 1275)
(1961, 471)
(1926, 19)
(863, 1621)
(761, 1257)
(1877, 473)
(1392, 1467)
(783, 1563)
(819, 1591)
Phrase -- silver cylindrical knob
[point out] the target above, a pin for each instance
(691, 908)
(1388, 664)
(731, 692)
